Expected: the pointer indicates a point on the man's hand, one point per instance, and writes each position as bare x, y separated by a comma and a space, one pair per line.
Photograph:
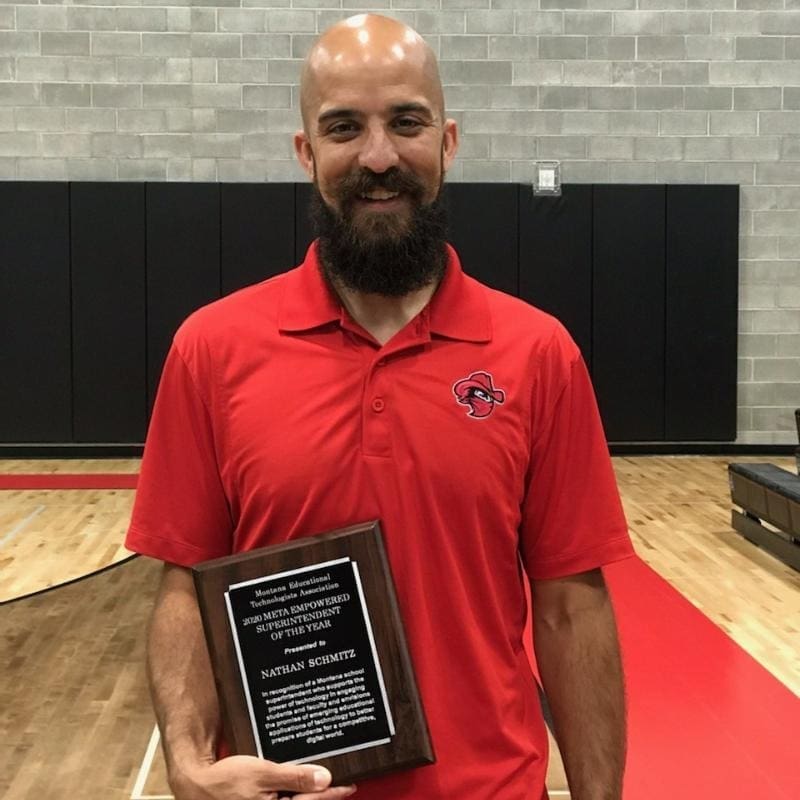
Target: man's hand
185, 701
250, 778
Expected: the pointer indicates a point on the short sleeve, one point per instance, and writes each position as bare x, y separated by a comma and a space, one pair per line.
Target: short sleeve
181, 514
572, 517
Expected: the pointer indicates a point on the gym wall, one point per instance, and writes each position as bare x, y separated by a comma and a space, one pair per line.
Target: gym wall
620, 91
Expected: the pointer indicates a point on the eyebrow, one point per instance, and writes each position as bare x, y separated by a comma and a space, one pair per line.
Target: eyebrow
401, 108
404, 108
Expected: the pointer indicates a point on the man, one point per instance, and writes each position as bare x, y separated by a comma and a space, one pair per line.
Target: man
378, 381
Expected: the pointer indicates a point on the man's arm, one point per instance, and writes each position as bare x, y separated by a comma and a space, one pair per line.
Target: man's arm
575, 639
185, 701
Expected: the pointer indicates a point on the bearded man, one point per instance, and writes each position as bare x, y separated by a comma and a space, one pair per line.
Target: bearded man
378, 381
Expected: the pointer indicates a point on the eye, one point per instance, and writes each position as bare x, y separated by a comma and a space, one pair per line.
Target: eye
407, 124
342, 129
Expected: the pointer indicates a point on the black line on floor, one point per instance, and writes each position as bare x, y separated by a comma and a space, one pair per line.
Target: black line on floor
71, 581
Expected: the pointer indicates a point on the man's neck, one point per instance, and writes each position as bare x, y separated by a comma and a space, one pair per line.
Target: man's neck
383, 316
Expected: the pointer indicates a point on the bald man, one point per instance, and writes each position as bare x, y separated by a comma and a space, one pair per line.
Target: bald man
377, 380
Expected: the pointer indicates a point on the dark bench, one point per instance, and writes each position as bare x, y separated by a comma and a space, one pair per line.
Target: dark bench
797, 450
767, 494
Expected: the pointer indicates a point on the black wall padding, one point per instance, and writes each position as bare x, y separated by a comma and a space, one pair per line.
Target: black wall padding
628, 315
35, 357
482, 224
95, 279
257, 232
555, 258
304, 230
108, 311
701, 308
183, 262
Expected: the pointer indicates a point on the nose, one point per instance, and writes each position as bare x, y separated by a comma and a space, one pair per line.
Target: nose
379, 152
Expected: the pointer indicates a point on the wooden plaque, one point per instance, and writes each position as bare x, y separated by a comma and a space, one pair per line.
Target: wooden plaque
309, 655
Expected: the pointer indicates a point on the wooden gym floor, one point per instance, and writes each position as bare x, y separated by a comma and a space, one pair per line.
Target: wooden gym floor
76, 721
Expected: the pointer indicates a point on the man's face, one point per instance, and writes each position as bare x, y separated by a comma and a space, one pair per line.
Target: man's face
376, 145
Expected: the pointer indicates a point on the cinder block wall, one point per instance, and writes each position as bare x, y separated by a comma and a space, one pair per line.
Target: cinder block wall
618, 90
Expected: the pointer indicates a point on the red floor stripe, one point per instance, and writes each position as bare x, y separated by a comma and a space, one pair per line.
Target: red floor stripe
62, 481
706, 721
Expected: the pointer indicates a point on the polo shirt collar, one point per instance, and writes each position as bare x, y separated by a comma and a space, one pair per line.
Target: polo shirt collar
307, 300
457, 310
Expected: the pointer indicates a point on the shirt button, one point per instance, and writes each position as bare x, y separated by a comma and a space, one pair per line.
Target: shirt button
378, 405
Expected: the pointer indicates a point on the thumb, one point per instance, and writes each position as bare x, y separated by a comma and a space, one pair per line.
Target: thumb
295, 777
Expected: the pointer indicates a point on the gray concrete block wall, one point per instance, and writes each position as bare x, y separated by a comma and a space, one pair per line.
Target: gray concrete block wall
664, 91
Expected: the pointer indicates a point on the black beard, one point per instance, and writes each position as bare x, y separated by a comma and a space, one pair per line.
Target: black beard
381, 254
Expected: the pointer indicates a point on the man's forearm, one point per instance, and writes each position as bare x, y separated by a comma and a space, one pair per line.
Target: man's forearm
579, 662
179, 672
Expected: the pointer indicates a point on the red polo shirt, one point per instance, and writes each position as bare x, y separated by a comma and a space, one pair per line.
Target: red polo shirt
473, 435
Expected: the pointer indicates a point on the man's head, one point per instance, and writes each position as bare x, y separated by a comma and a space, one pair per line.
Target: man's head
376, 145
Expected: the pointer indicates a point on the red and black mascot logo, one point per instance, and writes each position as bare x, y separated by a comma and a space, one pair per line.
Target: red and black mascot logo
478, 392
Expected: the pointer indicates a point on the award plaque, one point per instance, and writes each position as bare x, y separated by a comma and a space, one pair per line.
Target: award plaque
309, 655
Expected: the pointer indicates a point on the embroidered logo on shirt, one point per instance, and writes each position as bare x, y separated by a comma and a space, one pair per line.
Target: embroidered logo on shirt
478, 392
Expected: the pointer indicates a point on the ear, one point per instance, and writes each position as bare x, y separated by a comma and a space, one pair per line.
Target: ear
304, 153
449, 143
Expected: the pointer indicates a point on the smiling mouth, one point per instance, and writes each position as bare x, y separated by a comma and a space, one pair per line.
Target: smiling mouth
379, 196
381, 200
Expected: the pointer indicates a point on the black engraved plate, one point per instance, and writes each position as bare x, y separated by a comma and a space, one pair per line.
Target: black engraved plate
306, 650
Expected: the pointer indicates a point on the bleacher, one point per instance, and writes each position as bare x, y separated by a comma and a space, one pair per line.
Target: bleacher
769, 497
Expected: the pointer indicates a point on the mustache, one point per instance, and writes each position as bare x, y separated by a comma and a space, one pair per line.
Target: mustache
363, 181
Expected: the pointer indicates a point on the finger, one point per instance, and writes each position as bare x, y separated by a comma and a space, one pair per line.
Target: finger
294, 777
334, 793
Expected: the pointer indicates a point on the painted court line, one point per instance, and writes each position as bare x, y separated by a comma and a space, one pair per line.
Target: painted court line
21, 525
705, 719
144, 769
60, 480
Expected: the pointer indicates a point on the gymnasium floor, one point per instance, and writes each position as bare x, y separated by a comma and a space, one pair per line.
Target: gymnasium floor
710, 628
